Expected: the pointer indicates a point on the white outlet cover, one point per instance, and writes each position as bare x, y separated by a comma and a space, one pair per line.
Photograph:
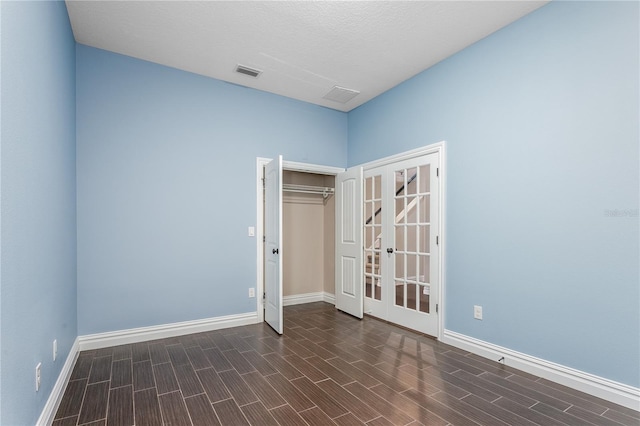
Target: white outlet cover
477, 312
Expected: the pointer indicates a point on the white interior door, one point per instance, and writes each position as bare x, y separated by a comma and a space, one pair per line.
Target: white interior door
414, 286
273, 244
348, 196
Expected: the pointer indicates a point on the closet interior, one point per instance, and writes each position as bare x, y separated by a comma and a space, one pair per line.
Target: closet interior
308, 235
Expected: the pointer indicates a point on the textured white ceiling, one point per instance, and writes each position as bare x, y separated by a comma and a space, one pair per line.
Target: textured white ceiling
304, 48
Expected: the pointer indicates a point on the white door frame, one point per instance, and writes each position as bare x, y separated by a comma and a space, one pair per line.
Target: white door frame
286, 165
439, 147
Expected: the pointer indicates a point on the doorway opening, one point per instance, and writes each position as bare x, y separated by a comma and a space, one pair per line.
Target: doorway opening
390, 239
401, 243
305, 250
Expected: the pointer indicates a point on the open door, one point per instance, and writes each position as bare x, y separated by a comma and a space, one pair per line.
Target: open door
349, 249
273, 244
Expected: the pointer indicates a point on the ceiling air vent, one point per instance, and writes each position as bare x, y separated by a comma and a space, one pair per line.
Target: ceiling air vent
251, 72
341, 94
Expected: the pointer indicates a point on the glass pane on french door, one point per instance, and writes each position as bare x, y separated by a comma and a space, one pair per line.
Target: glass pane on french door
373, 236
412, 201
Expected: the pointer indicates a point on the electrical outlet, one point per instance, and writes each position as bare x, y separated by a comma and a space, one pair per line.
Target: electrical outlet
477, 312
252, 292
38, 376
55, 349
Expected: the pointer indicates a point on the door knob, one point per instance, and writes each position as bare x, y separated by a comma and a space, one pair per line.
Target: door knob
389, 250
275, 251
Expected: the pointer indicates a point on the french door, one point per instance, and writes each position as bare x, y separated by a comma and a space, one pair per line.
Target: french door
401, 243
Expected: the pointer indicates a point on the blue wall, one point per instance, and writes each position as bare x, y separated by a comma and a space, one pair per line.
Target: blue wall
166, 187
38, 204
541, 120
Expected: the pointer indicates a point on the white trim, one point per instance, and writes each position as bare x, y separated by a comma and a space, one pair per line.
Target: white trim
299, 299
260, 163
55, 397
407, 155
294, 166
329, 298
600, 387
442, 203
143, 334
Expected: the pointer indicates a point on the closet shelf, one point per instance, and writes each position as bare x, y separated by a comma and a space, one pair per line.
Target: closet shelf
325, 191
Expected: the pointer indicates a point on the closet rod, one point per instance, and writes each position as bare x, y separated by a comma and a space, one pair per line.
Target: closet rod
325, 191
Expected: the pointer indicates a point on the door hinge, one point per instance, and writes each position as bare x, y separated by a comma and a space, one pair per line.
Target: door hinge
264, 238
436, 308
437, 240
437, 171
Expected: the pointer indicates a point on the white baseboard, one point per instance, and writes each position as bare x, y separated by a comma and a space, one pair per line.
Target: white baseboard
143, 334
299, 299
609, 390
329, 298
55, 397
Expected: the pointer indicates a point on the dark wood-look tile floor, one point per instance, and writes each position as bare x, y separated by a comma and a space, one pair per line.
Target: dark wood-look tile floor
328, 368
